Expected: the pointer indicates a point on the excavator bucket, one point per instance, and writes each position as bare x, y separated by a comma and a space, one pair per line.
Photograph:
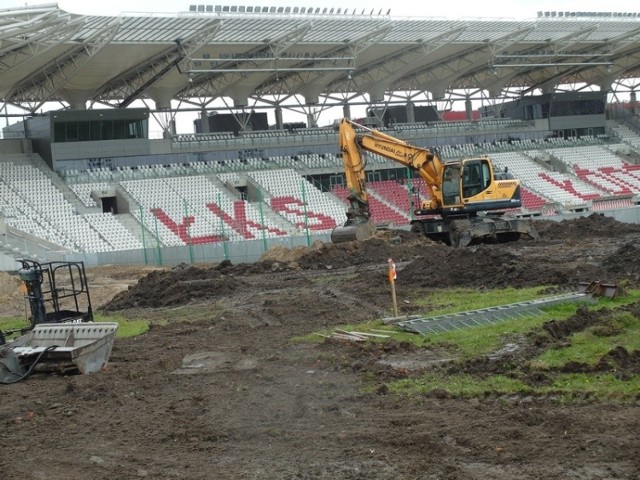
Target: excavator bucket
358, 231
57, 347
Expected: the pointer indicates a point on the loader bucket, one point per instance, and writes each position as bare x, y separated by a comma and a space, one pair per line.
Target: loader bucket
58, 347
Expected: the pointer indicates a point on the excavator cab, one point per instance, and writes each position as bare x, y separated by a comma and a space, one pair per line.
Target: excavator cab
463, 180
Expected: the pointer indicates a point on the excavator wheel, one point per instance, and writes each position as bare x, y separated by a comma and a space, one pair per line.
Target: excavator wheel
417, 227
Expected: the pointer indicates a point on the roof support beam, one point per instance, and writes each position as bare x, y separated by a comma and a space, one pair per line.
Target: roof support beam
392, 67
228, 75
27, 46
45, 84
133, 83
301, 81
441, 76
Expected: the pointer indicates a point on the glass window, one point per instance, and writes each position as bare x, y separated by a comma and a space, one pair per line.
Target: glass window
118, 129
106, 127
72, 131
134, 129
95, 130
84, 131
59, 132
451, 185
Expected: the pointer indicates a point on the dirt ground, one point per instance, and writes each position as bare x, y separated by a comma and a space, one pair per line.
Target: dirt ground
216, 389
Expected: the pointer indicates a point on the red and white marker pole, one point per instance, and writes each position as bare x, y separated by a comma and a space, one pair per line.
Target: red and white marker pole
392, 281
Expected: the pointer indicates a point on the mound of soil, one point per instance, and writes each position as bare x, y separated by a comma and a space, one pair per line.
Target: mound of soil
592, 226
421, 263
178, 286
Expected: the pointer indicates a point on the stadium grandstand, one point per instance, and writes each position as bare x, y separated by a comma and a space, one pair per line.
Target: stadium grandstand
98, 164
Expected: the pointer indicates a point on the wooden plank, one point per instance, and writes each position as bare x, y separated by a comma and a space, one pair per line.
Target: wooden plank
387, 331
351, 338
345, 332
366, 334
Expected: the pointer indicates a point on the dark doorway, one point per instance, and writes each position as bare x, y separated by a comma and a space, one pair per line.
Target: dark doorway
109, 204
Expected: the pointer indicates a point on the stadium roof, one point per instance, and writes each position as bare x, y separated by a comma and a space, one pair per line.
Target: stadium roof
270, 54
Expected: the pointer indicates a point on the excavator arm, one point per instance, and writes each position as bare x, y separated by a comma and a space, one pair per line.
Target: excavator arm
352, 144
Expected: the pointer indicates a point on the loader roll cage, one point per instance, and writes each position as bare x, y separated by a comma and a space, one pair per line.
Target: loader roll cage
56, 292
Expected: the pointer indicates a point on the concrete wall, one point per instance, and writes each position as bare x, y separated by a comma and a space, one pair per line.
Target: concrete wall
625, 215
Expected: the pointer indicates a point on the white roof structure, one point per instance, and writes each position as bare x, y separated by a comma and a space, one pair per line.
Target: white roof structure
250, 54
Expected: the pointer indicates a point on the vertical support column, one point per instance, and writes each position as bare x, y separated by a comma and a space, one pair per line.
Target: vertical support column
279, 122
204, 121
144, 242
262, 224
346, 110
225, 247
159, 249
306, 215
311, 120
468, 108
633, 101
186, 217
411, 112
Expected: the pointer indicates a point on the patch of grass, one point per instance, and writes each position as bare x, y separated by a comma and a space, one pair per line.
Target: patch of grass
604, 386
590, 345
480, 340
459, 385
568, 387
9, 323
441, 302
126, 327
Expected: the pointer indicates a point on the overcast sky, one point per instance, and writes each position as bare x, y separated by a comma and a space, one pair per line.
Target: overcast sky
516, 9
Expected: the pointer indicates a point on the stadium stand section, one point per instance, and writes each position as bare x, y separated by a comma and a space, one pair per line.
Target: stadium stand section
268, 197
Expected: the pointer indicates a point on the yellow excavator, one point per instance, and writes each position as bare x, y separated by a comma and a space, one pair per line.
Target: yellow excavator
467, 200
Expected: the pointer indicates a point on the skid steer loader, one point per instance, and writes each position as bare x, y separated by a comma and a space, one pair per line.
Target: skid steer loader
61, 335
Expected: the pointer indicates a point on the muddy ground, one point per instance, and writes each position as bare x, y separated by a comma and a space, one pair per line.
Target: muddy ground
216, 389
